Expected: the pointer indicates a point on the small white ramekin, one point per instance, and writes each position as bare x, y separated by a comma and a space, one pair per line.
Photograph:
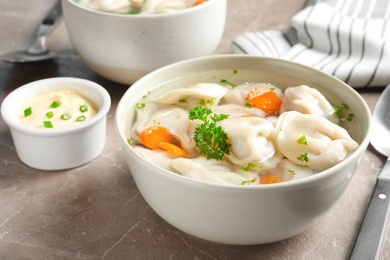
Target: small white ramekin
62, 148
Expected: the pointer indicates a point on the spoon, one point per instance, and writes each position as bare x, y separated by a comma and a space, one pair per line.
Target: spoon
37, 51
369, 242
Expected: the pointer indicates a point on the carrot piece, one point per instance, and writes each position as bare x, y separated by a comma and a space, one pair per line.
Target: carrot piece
173, 149
154, 135
269, 179
264, 99
200, 2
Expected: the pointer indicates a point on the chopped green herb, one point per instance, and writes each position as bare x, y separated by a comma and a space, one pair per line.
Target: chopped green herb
210, 138
247, 182
27, 111
249, 104
339, 109
224, 81
133, 141
83, 108
146, 95
183, 100
66, 116
303, 157
302, 140
140, 105
203, 102
49, 114
349, 117
55, 104
252, 166
47, 124
80, 119
235, 71
292, 172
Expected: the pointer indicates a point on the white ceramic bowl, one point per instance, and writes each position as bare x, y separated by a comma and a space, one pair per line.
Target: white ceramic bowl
123, 48
58, 148
241, 215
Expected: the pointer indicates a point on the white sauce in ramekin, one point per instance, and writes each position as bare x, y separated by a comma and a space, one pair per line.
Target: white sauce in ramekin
58, 109
137, 6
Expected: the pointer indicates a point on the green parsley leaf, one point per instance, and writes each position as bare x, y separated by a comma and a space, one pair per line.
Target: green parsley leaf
339, 109
210, 138
225, 81
303, 157
251, 166
183, 100
132, 141
247, 182
302, 140
348, 118
140, 105
27, 111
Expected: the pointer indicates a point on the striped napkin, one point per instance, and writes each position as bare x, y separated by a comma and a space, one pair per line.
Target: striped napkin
349, 39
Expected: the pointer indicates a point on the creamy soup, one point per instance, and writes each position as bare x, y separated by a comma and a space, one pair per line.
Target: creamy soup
246, 134
56, 109
139, 6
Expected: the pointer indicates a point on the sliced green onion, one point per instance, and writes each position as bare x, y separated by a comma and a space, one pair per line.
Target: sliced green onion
80, 119
66, 116
55, 104
83, 108
27, 111
49, 114
47, 124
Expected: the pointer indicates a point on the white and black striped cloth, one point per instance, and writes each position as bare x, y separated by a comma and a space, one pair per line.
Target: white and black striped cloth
349, 39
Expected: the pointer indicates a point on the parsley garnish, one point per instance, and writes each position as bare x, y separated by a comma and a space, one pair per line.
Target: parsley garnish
140, 105
348, 118
210, 138
248, 181
302, 140
133, 141
339, 109
303, 157
225, 81
206, 102
251, 166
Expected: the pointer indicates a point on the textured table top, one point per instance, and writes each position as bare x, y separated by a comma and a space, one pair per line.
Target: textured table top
96, 211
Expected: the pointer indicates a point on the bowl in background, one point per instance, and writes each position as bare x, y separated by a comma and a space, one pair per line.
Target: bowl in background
241, 215
58, 148
123, 48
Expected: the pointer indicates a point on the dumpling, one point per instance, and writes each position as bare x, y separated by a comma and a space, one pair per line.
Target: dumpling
312, 140
175, 119
248, 137
307, 100
165, 6
235, 111
288, 171
211, 170
191, 96
238, 94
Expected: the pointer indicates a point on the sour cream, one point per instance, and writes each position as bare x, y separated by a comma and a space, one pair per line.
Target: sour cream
137, 6
59, 109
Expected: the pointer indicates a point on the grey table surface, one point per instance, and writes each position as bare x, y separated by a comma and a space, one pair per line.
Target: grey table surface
96, 211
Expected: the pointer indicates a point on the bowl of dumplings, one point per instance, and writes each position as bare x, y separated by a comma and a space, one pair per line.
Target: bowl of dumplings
123, 40
242, 150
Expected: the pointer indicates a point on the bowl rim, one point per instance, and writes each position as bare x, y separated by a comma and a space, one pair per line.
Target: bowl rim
15, 124
288, 184
145, 16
